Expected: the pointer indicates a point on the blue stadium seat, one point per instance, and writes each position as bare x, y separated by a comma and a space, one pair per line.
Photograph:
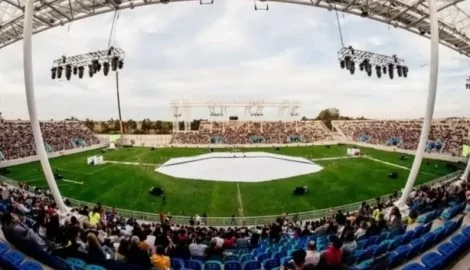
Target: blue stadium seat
373, 240
362, 244
94, 267
12, 259
420, 230
76, 263
448, 250
63, 264
247, 257
395, 259
232, 265
414, 266
30, 265
414, 251
285, 260
407, 237
193, 264
433, 260
262, 257
177, 264
232, 258
252, 265
466, 231
3, 248
212, 265
382, 237
380, 250
270, 264
461, 241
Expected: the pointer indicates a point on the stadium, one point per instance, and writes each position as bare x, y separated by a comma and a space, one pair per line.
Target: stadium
230, 170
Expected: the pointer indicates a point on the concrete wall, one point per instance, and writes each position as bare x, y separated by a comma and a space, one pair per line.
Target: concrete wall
19, 161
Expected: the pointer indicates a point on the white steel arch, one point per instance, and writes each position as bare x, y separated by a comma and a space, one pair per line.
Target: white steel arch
411, 15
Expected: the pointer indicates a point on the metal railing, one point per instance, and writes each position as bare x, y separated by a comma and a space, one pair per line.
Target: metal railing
243, 221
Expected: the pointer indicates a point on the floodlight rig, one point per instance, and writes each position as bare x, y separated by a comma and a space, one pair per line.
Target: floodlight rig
264, 5
108, 60
368, 61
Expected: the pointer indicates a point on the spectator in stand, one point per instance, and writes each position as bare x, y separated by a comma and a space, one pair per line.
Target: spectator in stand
350, 244
334, 254
450, 134
136, 255
213, 250
394, 221
122, 251
312, 255
160, 260
16, 137
198, 249
298, 260
361, 231
248, 132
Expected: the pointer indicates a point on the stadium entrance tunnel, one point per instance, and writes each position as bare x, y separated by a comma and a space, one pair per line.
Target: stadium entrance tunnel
238, 167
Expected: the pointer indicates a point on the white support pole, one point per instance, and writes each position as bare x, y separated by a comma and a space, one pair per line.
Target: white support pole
433, 72
467, 171
31, 100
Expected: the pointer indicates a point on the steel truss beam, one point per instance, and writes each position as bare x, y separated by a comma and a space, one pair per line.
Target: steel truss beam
249, 103
411, 15
374, 58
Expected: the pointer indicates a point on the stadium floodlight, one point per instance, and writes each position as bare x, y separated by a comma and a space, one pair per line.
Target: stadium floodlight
348, 56
94, 61
81, 70
54, 72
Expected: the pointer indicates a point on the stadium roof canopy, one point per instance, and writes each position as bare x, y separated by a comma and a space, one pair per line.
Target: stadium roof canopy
411, 15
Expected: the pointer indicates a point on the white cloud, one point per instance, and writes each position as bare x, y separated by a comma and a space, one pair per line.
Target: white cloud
227, 51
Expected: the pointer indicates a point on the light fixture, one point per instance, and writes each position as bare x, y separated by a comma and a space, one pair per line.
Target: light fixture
109, 59
53, 72
105, 68
59, 72
81, 70
68, 72
367, 61
378, 71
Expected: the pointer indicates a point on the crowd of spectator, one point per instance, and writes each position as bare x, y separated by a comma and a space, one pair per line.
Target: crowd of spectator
249, 132
103, 237
451, 133
16, 137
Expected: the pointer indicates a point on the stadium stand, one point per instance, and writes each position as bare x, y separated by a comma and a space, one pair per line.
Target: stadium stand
446, 136
16, 138
251, 132
99, 239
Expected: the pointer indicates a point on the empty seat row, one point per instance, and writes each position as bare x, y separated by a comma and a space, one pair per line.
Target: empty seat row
446, 253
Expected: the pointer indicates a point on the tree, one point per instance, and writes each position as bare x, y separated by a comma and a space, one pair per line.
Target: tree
90, 124
71, 118
327, 115
131, 125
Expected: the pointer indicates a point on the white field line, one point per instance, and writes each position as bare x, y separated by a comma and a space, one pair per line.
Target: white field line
335, 158
240, 203
131, 163
73, 182
388, 163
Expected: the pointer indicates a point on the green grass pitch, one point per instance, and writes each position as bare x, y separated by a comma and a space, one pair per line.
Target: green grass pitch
342, 181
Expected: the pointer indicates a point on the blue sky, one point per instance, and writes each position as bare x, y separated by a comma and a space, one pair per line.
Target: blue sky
227, 51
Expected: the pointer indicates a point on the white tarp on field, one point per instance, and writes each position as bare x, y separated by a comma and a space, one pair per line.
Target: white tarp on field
238, 167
